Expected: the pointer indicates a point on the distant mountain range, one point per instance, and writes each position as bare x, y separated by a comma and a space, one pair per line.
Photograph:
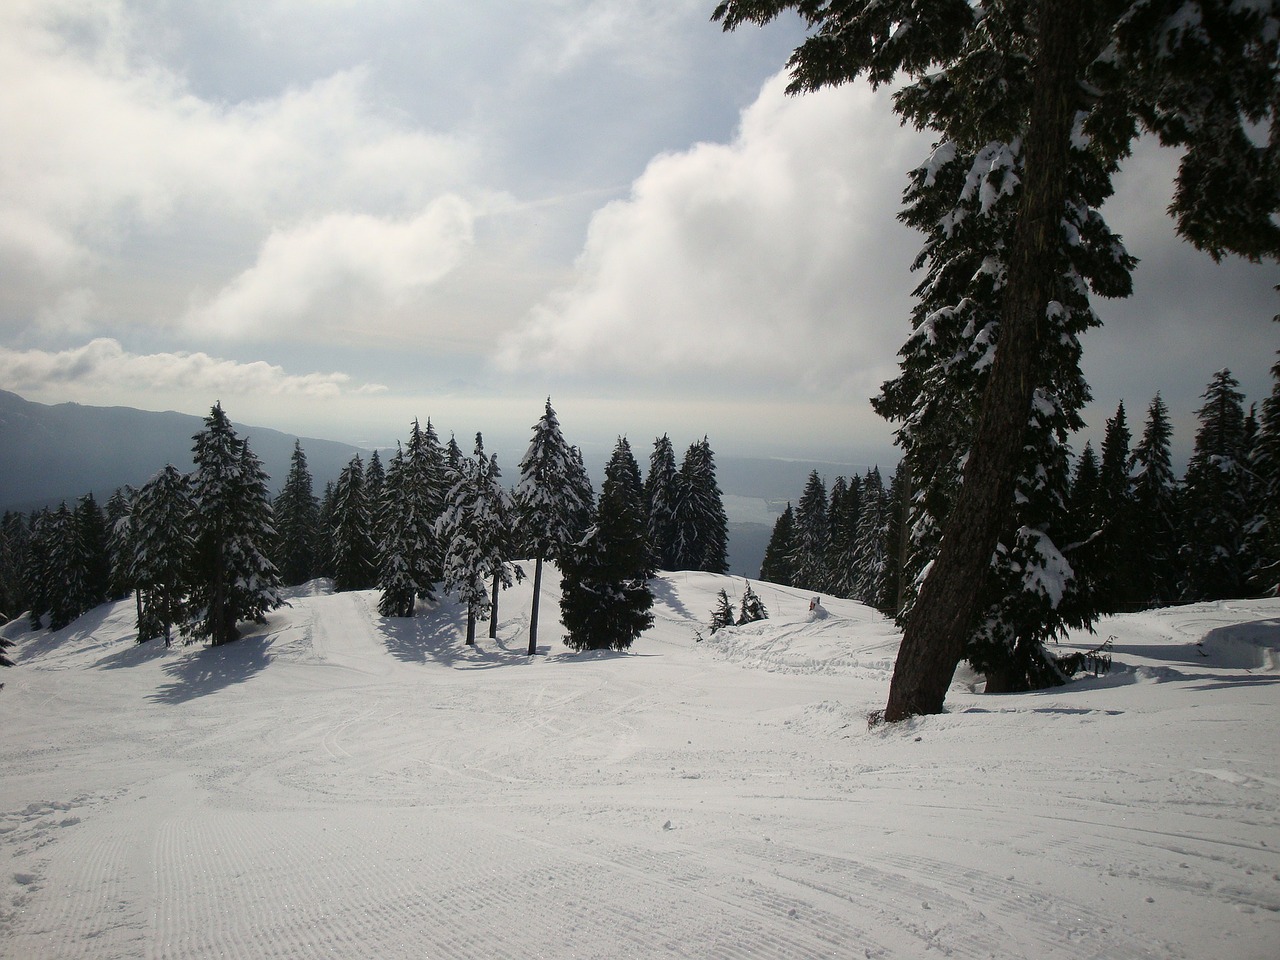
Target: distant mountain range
50, 453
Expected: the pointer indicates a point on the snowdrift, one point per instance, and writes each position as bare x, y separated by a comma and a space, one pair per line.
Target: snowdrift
338, 784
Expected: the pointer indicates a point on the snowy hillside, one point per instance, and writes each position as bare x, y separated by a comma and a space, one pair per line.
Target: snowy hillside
337, 785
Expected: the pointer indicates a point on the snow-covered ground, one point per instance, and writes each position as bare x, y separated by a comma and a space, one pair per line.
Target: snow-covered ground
338, 785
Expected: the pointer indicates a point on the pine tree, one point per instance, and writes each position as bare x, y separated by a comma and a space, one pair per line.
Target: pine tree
35, 571
160, 535
751, 608
897, 541
476, 527
842, 573
412, 554
1215, 502
548, 502
231, 577
1118, 560
1035, 106
810, 537
354, 551
660, 502
14, 540
297, 513
65, 573
605, 597
1153, 490
870, 543
777, 566
1264, 526
722, 614
95, 558
701, 525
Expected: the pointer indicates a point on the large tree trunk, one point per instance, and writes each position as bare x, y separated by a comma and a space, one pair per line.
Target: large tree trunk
493, 610
533, 615
948, 605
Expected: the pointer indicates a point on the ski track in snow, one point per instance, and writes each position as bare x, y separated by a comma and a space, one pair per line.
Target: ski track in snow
339, 785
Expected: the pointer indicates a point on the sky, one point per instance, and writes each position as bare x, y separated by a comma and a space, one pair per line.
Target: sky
334, 216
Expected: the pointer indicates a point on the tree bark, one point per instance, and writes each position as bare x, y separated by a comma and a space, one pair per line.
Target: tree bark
533, 615
947, 608
493, 610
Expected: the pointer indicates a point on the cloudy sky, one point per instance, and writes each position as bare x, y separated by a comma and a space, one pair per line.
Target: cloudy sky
336, 215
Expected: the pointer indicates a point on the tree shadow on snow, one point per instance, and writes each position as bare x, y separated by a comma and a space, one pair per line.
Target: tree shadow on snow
210, 669
440, 638
664, 594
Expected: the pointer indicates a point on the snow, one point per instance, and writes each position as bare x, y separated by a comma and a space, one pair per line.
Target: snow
339, 785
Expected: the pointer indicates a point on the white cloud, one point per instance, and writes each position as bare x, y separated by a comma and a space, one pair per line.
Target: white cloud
104, 148
339, 267
95, 371
766, 257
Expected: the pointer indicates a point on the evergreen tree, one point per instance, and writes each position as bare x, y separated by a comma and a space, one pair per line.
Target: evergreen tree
1035, 106
324, 542
94, 556
120, 515
777, 566
1119, 559
870, 543
231, 577
660, 502
752, 607
1154, 491
842, 572
297, 512
476, 527
605, 596
810, 537
375, 480
14, 539
548, 503
897, 540
36, 568
409, 560
701, 526
722, 614
1264, 526
65, 573
1215, 502
354, 552
161, 538
1084, 527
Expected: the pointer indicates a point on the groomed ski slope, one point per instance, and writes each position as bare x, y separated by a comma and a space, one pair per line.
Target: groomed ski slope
339, 785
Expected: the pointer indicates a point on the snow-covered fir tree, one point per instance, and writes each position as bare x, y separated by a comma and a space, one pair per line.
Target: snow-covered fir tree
1034, 105
777, 566
475, 527
605, 596
160, 536
411, 554
722, 613
355, 553
811, 537
1215, 506
840, 578
751, 608
870, 564
660, 502
701, 525
297, 522
548, 502
231, 577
